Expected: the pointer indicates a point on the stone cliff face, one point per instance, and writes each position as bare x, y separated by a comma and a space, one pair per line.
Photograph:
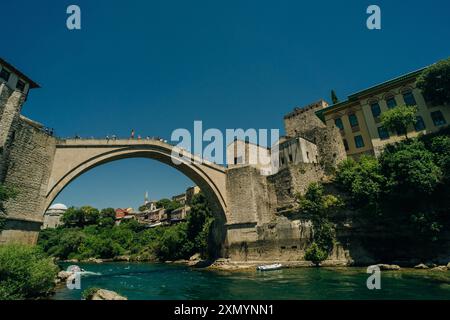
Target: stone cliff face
259, 229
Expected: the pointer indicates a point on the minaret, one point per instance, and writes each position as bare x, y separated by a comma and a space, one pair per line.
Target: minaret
146, 197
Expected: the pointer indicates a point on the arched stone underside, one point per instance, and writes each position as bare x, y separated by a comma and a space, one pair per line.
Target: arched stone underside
75, 157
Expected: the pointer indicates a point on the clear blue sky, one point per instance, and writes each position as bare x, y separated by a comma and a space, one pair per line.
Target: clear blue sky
159, 65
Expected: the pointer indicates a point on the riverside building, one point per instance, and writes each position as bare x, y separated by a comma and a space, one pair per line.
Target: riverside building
358, 117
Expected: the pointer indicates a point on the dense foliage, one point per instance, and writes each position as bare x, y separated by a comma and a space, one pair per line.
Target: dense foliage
168, 204
88, 233
80, 217
319, 207
25, 272
403, 193
399, 119
435, 83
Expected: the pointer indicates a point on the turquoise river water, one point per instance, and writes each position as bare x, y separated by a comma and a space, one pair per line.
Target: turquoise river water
147, 281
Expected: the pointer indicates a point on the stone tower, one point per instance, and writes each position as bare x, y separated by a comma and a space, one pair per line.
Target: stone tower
304, 123
26, 155
14, 88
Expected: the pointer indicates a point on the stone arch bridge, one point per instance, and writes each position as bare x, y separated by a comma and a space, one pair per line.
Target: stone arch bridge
41, 166
74, 157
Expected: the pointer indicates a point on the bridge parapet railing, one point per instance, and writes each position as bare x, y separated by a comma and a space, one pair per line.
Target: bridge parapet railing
119, 142
114, 137
84, 140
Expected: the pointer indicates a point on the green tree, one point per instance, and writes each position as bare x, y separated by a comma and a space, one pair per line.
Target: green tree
409, 169
163, 203
73, 217
362, 179
407, 186
199, 224
69, 243
315, 254
107, 218
80, 217
168, 204
316, 204
95, 246
398, 119
173, 205
174, 243
108, 213
319, 207
435, 83
91, 215
25, 272
440, 146
334, 97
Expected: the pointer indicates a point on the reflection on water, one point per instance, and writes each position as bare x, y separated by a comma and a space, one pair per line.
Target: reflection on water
145, 281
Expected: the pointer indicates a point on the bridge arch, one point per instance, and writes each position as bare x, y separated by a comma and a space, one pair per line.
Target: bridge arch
75, 157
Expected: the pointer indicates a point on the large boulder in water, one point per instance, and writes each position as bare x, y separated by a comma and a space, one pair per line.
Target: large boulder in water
195, 257
388, 267
64, 275
421, 266
102, 294
439, 268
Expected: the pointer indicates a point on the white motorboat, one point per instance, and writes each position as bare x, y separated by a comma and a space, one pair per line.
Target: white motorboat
269, 267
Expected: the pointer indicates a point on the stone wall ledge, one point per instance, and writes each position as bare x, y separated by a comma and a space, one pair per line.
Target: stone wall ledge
240, 225
31, 122
24, 219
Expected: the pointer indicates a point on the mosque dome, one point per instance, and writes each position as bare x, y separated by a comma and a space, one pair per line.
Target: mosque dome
58, 206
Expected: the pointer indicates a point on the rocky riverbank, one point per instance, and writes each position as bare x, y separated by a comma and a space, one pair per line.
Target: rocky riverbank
102, 294
230, 265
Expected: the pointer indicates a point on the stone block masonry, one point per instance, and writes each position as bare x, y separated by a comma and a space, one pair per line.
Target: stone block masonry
10, 104
330, 147
302, 120
27, 170
293, 180
305, 123
249, 200
255, 231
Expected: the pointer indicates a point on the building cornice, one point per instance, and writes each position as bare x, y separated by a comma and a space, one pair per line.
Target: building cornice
376, 89
33, 85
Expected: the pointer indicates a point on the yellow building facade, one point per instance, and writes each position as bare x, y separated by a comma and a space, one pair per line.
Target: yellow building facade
358, 118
